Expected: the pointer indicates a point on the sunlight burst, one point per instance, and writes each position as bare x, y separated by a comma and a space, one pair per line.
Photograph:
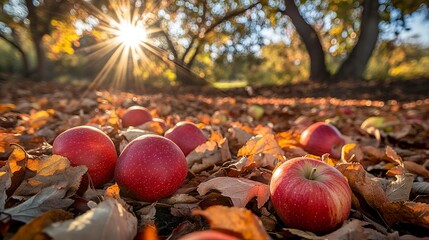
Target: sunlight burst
132, 35
124, 45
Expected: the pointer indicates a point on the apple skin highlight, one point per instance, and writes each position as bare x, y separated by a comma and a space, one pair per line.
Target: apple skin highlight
319, 204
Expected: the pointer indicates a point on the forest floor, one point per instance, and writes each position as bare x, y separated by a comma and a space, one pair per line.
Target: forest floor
386, 164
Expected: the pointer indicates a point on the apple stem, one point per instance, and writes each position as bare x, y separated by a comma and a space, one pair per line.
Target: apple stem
311, 176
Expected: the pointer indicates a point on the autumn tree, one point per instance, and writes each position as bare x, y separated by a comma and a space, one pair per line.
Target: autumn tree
190, 27
355, 24
33, 20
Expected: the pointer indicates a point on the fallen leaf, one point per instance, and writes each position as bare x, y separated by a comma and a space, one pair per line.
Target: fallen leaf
421, 188
393, 156
53, 170
263, 150
416, 168
233, 219
240, 135
400, 189
356, 230
40, 118
34, 229
408, 212
46, 166
213, 151
7, 107
363, 187
108, 220
47, 199
5, 182
15, 167
351, 152
240, 190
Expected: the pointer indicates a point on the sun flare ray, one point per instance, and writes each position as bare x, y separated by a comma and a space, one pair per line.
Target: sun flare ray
124, 46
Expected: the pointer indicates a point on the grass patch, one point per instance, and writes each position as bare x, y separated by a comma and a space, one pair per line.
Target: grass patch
228, 85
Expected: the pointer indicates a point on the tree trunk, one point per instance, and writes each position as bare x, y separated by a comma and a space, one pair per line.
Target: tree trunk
355, 64
24, 57
185, 76
318, 70
40, 73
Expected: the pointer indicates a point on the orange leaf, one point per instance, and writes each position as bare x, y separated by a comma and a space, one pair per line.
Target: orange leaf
237, 220
34, 229
351, 153
416, 168
410, 212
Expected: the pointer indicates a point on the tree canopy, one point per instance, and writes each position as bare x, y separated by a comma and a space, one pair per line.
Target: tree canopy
187, 40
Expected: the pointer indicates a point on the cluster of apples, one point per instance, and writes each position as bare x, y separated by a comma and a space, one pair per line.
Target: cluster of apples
150, 167
307, 194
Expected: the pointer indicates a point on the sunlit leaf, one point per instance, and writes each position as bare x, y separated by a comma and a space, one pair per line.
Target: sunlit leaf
47, 199
34, 229
237, 220
108, 220
240, 190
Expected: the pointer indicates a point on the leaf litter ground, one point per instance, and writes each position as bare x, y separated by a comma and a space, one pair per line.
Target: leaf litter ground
227, 185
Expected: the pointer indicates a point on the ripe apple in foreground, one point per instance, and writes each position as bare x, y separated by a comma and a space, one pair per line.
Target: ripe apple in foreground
310, 195
208, 234
186, 135
320, 138
85, 145
151, 167
135, 116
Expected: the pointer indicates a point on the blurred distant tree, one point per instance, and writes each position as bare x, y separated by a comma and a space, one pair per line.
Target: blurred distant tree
348, 29
190, 27
34, 20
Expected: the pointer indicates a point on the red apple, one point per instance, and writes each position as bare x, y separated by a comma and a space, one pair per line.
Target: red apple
135, 116
85, 145
186, 135
320, 138
151, 167
310, 195
208, 234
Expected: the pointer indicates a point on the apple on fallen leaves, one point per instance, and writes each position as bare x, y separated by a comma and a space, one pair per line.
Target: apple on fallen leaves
186, 135
89, 146
151, 167
208, 234
135, 116
310, 195
320, 138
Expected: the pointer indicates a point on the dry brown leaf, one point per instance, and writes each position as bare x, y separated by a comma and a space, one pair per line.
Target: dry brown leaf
34, 229
421, 188
47, 199
237, 220
5, 182
393, 156
416, 168
351, 152
240, 190
213, 151
68, 178
108, 220
363, 186
409, 212
372, 153
15, 166
46, 166
400, 189
7, 107
240, 135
